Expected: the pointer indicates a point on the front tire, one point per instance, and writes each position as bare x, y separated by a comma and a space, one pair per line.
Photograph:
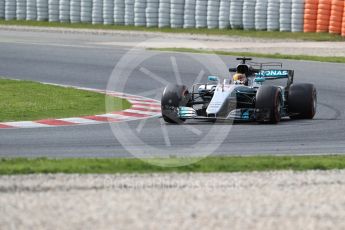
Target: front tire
173, 97
268, 104
302, 101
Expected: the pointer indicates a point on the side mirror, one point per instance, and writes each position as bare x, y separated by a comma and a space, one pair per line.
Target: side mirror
259, 79
213, 78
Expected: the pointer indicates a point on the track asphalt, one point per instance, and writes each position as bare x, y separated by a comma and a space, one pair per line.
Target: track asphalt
88, 60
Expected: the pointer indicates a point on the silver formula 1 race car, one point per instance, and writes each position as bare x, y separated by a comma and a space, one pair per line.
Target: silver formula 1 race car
266, 95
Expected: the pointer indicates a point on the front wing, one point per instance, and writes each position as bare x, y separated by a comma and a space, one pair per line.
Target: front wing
246, 114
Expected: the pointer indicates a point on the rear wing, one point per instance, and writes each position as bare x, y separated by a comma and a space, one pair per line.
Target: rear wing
273, 74
267, 70
253, 68
266, 65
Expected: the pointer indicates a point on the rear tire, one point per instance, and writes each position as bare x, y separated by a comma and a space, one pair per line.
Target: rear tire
302, 101
173, 97
268, 104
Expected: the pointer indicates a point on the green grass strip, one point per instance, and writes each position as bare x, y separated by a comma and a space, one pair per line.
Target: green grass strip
259, 55
27, 101
204, 31
14, 166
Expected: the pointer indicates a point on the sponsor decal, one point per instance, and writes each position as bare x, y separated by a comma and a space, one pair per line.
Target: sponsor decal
273, 73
